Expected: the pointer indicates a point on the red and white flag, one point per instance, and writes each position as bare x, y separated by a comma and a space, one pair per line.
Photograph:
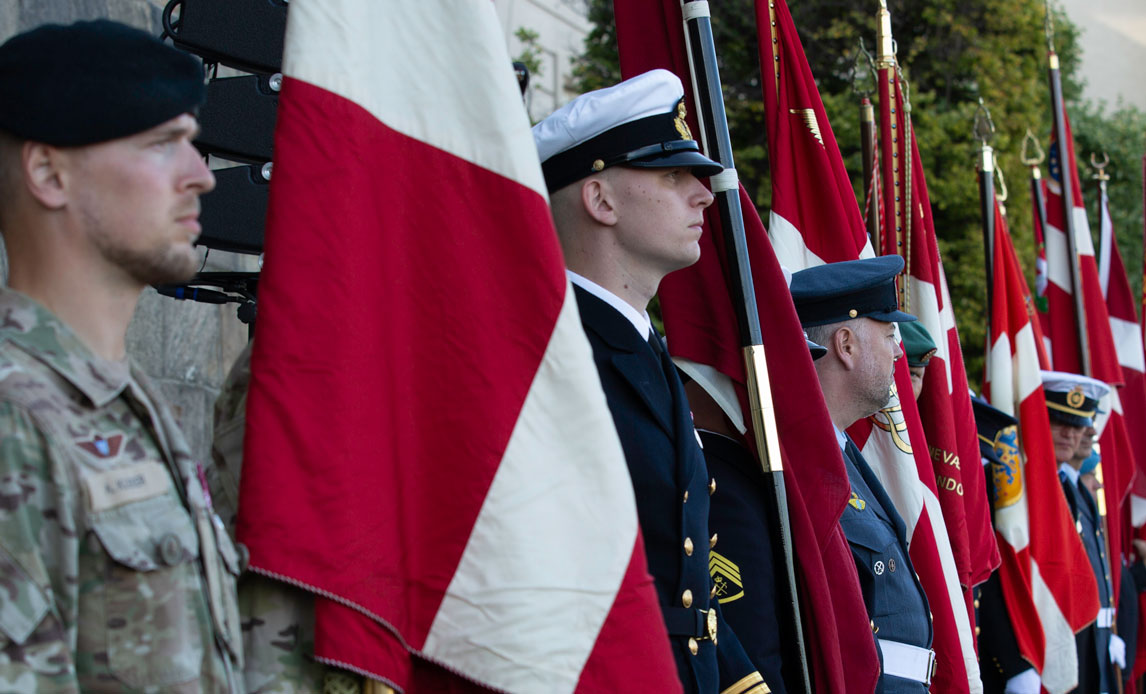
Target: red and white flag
908, 230
1045, 575
429, 449
1061, 326
1127, 335
815, 219
701, 327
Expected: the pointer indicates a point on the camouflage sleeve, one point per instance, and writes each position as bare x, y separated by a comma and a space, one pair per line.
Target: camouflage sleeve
38, 561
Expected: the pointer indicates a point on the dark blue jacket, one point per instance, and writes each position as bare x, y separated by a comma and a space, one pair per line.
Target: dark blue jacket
672, 489
896, 603
747, 565
1095, 672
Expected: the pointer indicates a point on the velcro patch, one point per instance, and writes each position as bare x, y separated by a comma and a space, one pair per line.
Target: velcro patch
123, 485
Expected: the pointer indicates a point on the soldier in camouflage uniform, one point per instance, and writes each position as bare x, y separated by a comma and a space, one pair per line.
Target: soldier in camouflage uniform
116, 575
277, 618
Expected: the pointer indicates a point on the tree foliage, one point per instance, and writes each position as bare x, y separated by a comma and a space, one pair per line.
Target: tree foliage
953, 52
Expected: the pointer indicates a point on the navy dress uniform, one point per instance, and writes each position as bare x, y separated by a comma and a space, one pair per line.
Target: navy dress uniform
1002, 666
1073, 400
746, 564
640, 123
895, 600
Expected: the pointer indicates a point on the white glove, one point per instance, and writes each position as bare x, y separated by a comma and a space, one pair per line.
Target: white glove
1026, 682
1117, 651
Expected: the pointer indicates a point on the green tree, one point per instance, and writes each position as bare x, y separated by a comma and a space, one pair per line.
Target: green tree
953, 52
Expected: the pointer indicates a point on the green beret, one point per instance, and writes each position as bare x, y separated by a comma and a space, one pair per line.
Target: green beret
917, 343
91, 82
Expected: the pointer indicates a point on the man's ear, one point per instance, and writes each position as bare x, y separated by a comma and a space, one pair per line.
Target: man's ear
42, 167
846, 344
599, 200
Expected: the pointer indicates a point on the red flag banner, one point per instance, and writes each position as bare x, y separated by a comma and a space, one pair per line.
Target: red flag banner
1129, 346
701, 328
810, 229
1118, 465
1045, 574
429, 449
944, 403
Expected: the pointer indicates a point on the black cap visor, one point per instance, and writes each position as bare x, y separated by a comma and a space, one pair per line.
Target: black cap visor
894, 316
700, 165
816, 349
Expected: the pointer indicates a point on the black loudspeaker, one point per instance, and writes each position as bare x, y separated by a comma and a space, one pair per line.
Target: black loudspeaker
234, 214
243, 34
237, 121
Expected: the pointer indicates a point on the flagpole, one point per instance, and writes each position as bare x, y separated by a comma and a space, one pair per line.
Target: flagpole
726, 188
867, 142
1101, 177
1065, 170
896, 176
983, 130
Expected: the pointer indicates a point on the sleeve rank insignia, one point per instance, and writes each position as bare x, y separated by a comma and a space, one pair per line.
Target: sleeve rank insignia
725, 577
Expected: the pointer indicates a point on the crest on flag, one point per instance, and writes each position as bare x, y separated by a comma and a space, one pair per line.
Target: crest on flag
1008, 477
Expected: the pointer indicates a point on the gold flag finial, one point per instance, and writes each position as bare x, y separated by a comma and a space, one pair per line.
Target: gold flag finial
884, 43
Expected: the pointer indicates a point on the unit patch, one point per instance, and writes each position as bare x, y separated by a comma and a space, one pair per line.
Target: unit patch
726, 578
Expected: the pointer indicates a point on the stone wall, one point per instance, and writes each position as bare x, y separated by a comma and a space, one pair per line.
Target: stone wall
186, 347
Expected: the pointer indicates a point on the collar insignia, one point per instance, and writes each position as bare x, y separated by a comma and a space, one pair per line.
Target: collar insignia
680, 122
725, 578
857, 503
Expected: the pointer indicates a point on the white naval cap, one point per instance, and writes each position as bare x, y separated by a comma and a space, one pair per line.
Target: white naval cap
639, 122
1072, 398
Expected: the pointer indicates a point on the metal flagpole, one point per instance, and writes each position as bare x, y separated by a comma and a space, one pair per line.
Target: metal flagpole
984, 131
726, 188
1065, 171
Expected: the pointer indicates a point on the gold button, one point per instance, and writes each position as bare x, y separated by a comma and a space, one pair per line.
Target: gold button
693, 646
712, 486
688, 546
598, 165
976, 604
853, 313
686, 598
977, 631
686, 497
712, 541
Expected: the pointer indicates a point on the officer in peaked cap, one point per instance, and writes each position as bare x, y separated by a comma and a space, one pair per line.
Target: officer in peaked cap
624, 173
1072, 404
117, 575
851, 308
918, 348
1002, 666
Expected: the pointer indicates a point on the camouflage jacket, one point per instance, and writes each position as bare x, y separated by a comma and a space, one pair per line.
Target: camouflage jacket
277, 618
116, 575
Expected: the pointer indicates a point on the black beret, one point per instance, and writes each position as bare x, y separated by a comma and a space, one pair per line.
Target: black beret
91, 82
994, 427
837, 292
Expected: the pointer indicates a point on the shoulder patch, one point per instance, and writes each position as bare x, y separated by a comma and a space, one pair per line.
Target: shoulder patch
725, 577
